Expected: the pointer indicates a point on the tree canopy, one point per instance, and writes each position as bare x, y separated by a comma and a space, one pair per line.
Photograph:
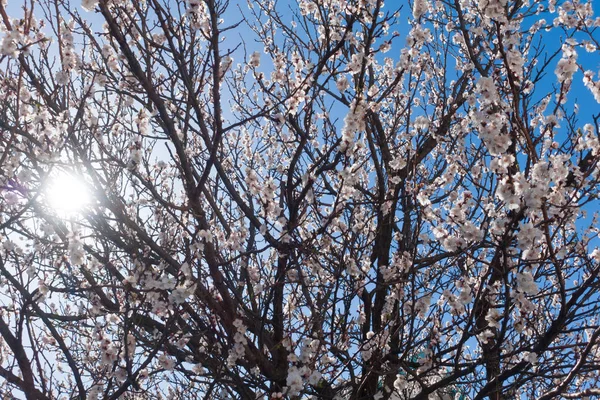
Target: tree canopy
327, 199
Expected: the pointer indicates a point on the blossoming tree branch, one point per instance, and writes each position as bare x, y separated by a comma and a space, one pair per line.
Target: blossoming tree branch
327, 199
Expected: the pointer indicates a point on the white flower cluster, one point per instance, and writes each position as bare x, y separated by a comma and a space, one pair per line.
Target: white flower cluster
89, 5
493, 9
143, 122
238, 350
135, 153
108, 350
197, 16
419, 308
353, 123
375, 342
342, 83
567, 65
297, 377
166, 362
589, 140
594, 87
355, 64
526, 284
493, 318
94, 392
530, 357
574, 14
308, 7
225, 65
485, 336
514, 56
407, 388
294, 381
279, 68
420, 7
69, 59
252, 181
131, 342
10, 42
76, 253
490, 122
486, 88
254, 60
528, 238
418, 36
308, 349
458, 303
180, 294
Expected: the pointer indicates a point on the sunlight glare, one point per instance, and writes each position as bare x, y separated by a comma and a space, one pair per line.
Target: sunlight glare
67, 193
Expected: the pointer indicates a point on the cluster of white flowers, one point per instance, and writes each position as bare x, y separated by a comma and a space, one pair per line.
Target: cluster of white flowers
420, 7
514, 56
567, 65
499, 165
375, 343
589, 140
180, 294
493, 318
355, 64
198, 16
10, 44
308, 7
254, 60
293, 102
525, 283
308, 350
402, 262
252, 181
528, 238
593, 86
131, 343
278, 75
294, 381
135, 153
458, 303
76, 253
143, 122
489, 120
353, 123
297, 377
342, 83
422, 122
524, 305
166, 362
486, 88
224, 66
419, 308
239, 338
493, 9
271, 209
418, 36
572, 14
69, 58
108, 350
463, 203
485, 335
94, 392
530, 357
110, 58
89, 5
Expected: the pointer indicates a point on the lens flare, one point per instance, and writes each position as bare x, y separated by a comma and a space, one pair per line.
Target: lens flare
67, 193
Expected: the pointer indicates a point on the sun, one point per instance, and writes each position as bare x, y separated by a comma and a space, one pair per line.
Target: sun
67, 193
